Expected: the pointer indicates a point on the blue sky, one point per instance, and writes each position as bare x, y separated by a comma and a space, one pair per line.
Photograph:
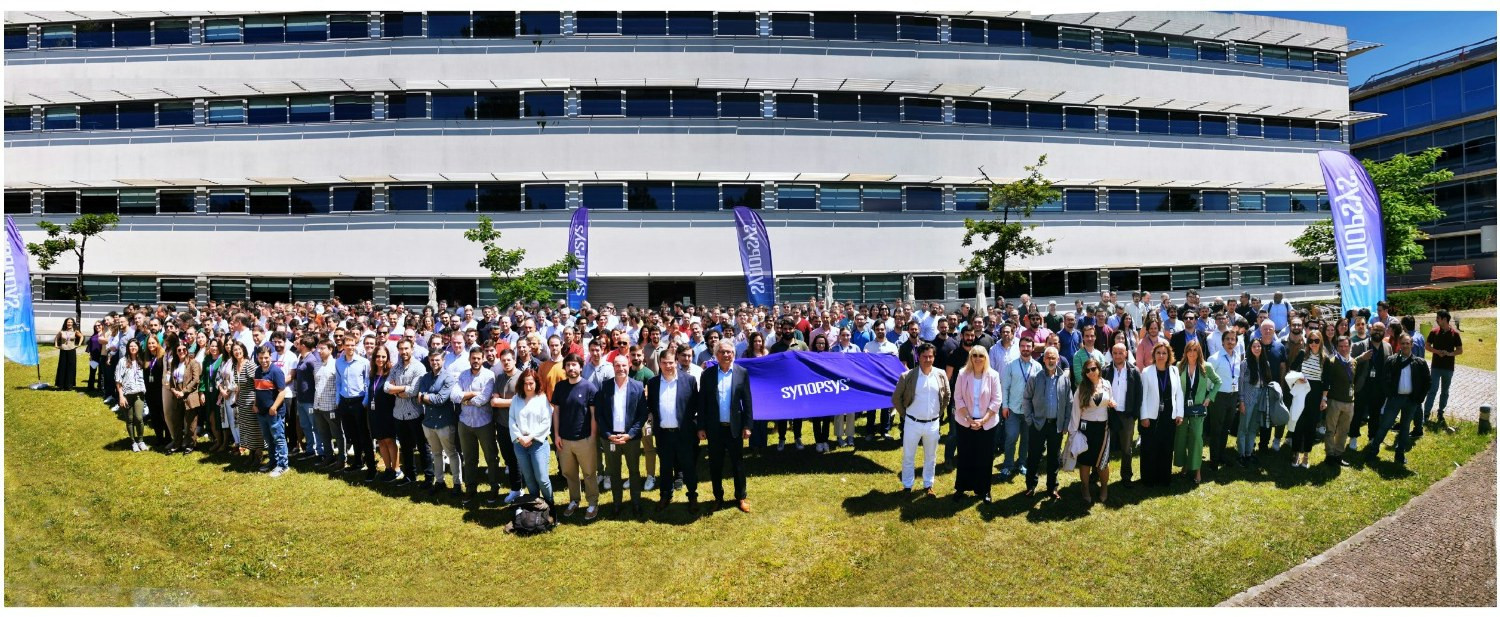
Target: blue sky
1406, 35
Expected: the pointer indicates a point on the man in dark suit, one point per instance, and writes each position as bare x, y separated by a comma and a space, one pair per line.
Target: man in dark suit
724, 420
1369, 399
673, 419
1189, 332
1124, 410
620, 412
1405, 383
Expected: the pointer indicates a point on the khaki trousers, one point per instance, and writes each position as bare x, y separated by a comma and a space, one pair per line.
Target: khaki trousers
1337, 417
577, 457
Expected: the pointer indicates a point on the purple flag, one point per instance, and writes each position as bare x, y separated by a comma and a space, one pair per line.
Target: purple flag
755, 256
812, 384
1357, 230
20, 321
578, 245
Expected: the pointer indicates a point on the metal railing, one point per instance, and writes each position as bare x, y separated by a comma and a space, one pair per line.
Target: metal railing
1428, 64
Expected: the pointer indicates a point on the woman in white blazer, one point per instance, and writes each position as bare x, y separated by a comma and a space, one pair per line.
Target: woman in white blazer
1162, 405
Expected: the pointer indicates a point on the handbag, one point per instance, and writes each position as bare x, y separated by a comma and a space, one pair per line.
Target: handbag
1278, 413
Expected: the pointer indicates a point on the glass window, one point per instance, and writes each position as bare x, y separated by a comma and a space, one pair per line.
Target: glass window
59, 287
1214, 201
454, 198
1186, 278
406, 198
1304, 202
924, 198
494, 24
17, 119
1301, 59
499, 197
881, 199
16, 37
175, 202
98, 117
1123, 120
833, 25
226, 112
1182, 49
971, 112
884, 27
133, 33
1252, 276
405, 105
695, 196
1119, 42
268, 110
1479, 87
349, 26
140, 201
137, 115
92, 34
648, 103
1152, 45
840, 198
55, 36
971, 199
643, 23
1054, 205
307, 27
690, 23
1277, 128
499, 105
270, 201
1047, 283
1216, 126
796, 197
1123, 200
1080, 118
107, 289
543, 104
1124, 280
310, 108
1156, 279
349, 107
735, 195
596, 22
1083, 281
649, 196
310, 200
791, 24
1075, 38
604, 196
353, 199
739, 105
546, 196
966, 31
270, 290
1183, 123
1213, 276
883, 288
398, 24
1154, 121
303, 290
540, 22
1278, 202
694, 103
1213, 51
915, 109
1279, 275
1007, 32
1324, 61
60, 117
1252, 201
1181, 200
1250, 127
455, 105
265, 29
790, 105
838, 106
1155, 201
1080, 200
98, 202
223, 202
1042, 116
737, 23
1247, 53
449, 24
1274, 57
880, 108
600, 103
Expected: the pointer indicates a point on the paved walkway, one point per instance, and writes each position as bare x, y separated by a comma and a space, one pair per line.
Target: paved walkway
1437, 550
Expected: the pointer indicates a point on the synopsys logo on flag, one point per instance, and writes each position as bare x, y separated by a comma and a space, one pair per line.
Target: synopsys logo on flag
754, 259
827, 386
1349, 201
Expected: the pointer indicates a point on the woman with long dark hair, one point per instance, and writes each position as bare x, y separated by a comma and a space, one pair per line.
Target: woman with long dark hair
67, 341
130, 384
1255, 400
184, 401
213, 412
244, 404
820, 424
1309, 360
382, 406
530, 430
95, 349
156, 371
1162, 409
1092, 418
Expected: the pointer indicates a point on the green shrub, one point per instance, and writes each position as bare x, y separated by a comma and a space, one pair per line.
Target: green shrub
1452, 298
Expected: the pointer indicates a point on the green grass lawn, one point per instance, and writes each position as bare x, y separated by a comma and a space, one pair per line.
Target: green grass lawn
1479, 341
88, 522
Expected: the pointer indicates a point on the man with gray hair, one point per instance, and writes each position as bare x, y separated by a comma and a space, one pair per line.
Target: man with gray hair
1048, 405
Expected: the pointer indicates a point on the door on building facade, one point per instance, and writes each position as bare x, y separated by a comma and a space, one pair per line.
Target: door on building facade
670, 292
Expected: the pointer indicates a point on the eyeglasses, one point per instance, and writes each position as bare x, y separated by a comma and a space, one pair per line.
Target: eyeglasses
1091, 369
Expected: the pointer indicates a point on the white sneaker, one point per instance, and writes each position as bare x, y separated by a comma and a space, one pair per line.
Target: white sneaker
650, 483
512, 497
607, 486
1276, 445
626, 485
276, 473
135, 446
677, 484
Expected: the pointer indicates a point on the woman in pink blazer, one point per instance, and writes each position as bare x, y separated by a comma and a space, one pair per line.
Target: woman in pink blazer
976, 409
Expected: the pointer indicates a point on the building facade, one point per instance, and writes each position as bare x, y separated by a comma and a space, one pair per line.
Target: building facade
297, 156
1447, 101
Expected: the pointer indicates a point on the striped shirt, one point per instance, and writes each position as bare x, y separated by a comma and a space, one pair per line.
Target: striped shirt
1312, 367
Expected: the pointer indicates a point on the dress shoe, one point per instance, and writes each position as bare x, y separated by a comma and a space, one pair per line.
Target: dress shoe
928, 492
744, 506
1054, 495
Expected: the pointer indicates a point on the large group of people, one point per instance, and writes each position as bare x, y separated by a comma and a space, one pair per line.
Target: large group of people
609, 398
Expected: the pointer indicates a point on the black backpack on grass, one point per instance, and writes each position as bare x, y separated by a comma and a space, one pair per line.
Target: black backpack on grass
533, 516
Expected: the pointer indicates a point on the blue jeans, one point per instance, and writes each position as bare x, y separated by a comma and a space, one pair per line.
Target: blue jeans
273, 431
1013, 434
1399, 406
316, 443
1250, 422
535, 462
1441, 379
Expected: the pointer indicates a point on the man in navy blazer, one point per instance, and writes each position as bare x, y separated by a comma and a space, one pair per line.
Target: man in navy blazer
674, 422
620, 411
724, 420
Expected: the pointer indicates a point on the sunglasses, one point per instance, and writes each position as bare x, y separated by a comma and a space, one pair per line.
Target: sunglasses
1091, 369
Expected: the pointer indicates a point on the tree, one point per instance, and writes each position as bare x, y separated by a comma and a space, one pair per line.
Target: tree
1008, 240
72, 238
1405, 203
510, 281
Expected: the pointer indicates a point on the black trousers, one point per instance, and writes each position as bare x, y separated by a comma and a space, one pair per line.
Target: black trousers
1156, 452
783, 425
724, 443
1045, 438
1305, 432
413, 447
352, 414
820, 428
677, 450
976, 460
1368, 407
870, 423
1223, 419
1122, 440
508, 450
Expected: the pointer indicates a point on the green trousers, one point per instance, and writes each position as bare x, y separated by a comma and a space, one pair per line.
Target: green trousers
1189, 443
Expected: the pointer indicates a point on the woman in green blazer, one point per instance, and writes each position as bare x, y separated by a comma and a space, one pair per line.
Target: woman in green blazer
1199, 385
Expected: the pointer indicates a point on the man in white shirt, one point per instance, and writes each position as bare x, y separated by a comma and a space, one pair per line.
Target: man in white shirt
921, 396
1222, 416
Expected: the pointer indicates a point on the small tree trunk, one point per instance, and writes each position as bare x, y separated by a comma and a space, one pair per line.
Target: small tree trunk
78, 291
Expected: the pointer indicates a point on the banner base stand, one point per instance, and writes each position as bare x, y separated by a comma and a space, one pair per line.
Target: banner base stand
39, 386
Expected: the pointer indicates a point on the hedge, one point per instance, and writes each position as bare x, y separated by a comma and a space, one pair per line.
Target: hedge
1418, 301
